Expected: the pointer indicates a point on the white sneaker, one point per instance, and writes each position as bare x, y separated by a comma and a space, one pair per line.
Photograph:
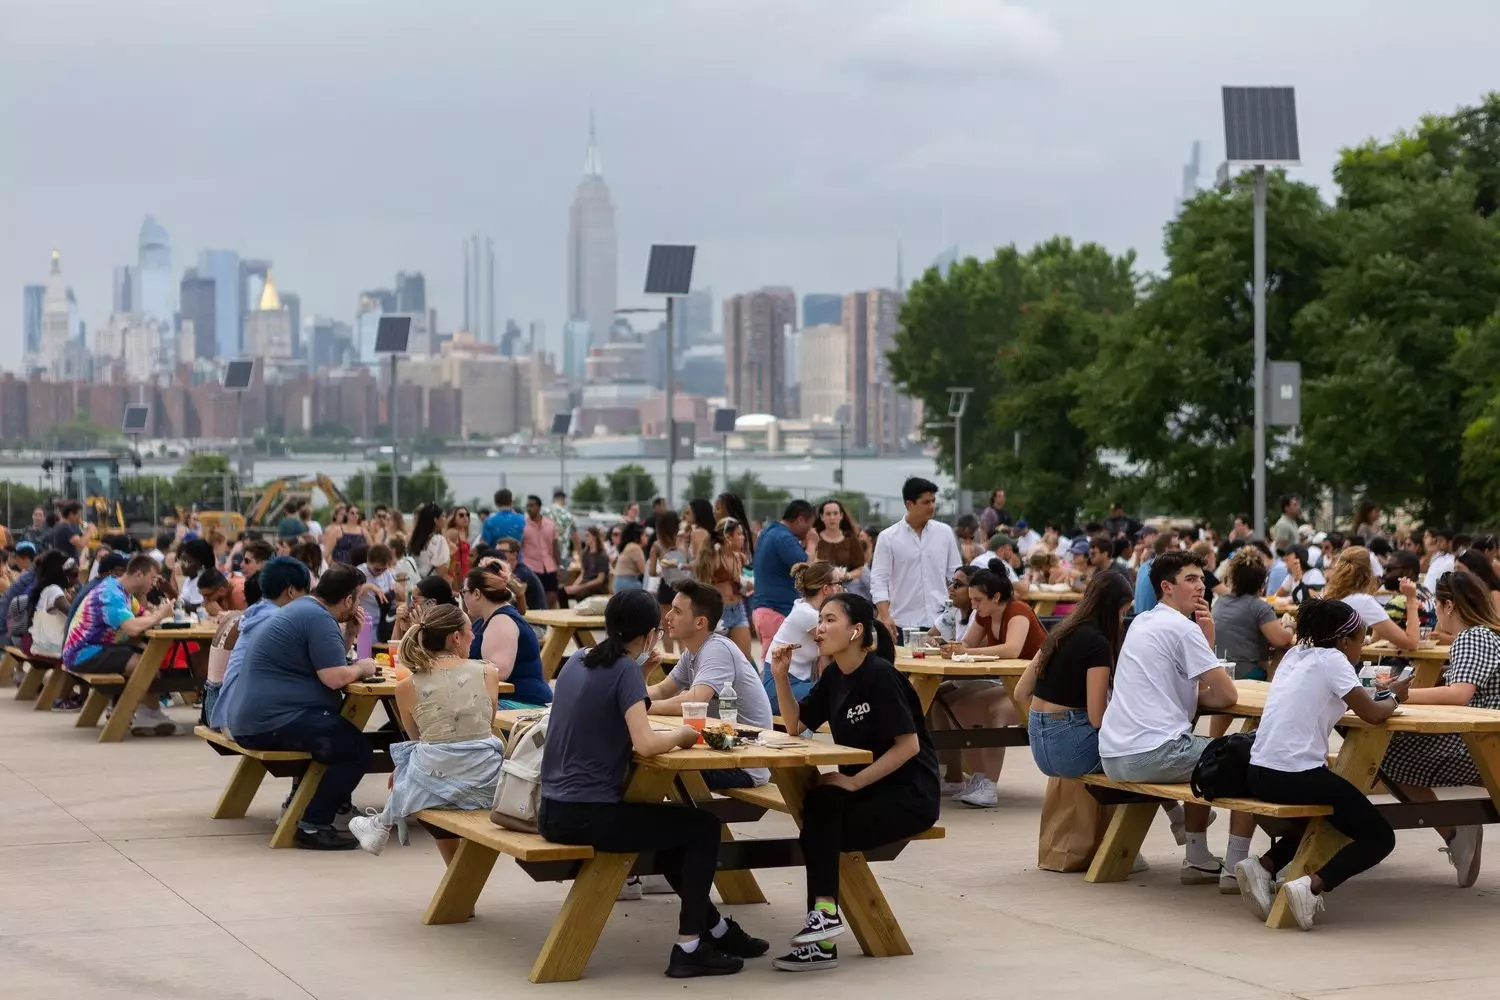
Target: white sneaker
629, 892
1202, 874
370, 832
1463, 853
1140, 864
1229, 885
151, 722
984, 794
952, 788
1304, 903
656, 885
1256, 887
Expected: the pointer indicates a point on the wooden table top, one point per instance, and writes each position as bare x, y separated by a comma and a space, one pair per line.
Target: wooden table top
565, 618
1060, 596
196, 631
1410, 718
1428, 651
933, 665
384, 686
797, 753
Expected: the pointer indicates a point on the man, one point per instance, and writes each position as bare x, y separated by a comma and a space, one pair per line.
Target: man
291, 525
37, 533
1145, 590
658, 508
995, 516
314, 529
1239, 534
536, 594
290, 679
539, 548
1120, 524
21, 565
1439, 542
914, 560
103, 637
1026, 538
1166, 671
1003, 548
1102, 559
710, 663
779, 548
1284, 533
279, 582
288, 535
505, 522
246, 583
69, 536
567, 528
110, 564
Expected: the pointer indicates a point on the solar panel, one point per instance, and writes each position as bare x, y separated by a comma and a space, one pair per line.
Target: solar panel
670, 270
392, 334
136, 416
724, 421
237, 374
561, 423
1260, 125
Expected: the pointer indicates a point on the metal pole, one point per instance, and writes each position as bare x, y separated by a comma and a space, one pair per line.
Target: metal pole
395, 464
724, 453
1260, 350
958, 465
671, 413
843, 485
239, 434
562, 462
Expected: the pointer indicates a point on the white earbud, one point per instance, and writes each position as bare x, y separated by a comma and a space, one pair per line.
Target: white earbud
853, 634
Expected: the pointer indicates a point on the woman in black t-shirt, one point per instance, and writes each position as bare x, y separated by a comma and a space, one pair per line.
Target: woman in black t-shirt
1068, 680
868, 705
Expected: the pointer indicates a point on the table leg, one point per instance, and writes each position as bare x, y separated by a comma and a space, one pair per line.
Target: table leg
737, 887
240, 792
585, 638
357, 709
134, 691
554, 647
1426, 673
52, 689
1122, 841
576, 928
926, 686
31, 683
1485, 749
459, 890
7, 669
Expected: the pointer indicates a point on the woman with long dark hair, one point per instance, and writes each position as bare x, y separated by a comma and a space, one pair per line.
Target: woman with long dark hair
598, 718
836, 541
47, 604
729, 505
428, 546
593, 574
868, 705
630, 563
459, 546
1479, 567
720, 564
697, 523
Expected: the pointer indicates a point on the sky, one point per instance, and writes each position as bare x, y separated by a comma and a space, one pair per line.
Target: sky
791, 140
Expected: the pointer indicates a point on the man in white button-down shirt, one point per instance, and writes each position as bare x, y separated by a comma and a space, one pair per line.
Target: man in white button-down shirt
914, 560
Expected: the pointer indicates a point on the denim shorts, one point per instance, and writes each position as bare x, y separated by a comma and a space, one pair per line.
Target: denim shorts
1064, 744
1171, 763
734, 616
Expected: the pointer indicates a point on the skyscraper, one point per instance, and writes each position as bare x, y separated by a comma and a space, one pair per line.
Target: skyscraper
755, 326
819, 309
268, 330
32, 299
292, 302
373, 304
693, 318
593, 283
411, 292
57, 316
199, 317
479, 288
122, 291
881, 416
252, 286
157, 289
222, 267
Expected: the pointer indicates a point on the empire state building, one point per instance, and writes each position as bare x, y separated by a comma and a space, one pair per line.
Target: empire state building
592, 271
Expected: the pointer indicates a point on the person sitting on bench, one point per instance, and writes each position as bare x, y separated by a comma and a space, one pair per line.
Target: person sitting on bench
867, 705
598, 717
1314, 685
280, 582
1167, 669
103, 636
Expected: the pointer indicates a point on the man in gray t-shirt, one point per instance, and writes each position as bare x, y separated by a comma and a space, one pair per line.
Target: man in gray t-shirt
708, 664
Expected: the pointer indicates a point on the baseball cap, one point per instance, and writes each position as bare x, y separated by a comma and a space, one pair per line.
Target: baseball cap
291, 527
998, 540
1079, 547
1021, 525
25, 549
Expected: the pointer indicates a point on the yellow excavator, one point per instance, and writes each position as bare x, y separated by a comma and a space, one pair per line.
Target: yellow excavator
266, 503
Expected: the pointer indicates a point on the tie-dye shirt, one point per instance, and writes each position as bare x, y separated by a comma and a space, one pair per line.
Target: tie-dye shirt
97, 623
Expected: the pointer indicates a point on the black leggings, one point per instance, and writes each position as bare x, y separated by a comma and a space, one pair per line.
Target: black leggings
685, 841
836, 820
1370, 836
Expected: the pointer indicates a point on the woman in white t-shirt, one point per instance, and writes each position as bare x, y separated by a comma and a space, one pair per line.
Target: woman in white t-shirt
816, 583
1314, 685
1351, 581
48, 601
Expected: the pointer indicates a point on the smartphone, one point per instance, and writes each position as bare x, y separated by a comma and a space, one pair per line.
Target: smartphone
1385, 696
1406, 673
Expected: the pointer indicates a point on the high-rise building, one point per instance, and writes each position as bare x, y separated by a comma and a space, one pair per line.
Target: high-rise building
693, 319
268, 329
755, 326
944, 261
576, 339
252, 287
200, 314
330, 343
122, 290
292, 303
32, 299
156, 288
373, 304
411, 292
479, 288
593, 283
222, 267
824, 353
881, 415
58, 309
819, 309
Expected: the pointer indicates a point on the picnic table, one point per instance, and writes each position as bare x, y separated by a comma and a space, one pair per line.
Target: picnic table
927, 675
135, 687
597, 877
1427, 660
1044, 601
562, 627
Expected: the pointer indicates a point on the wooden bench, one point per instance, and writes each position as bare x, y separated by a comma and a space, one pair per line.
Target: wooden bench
252, 769
36, 670
1132, 819
769, 798
100, 688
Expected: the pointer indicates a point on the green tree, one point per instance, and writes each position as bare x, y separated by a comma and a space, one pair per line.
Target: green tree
20, 500
856, 503
203, 480
761, 502
700, 484
631, 483
426, 485
80, 434
587, 492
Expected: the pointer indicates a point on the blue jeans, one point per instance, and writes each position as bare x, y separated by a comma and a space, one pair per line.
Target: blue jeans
727, 777
1064, 744
210, 696
799, 687
331, 739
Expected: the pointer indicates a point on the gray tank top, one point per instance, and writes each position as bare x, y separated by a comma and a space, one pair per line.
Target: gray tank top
452, 704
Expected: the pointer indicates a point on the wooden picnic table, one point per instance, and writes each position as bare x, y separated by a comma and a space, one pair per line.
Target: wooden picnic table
1427, 660
159, 644
927, 676
598, 880
562, 627
1044, 601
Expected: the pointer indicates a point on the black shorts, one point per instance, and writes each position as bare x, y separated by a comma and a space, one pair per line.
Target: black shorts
549, 582
109, 660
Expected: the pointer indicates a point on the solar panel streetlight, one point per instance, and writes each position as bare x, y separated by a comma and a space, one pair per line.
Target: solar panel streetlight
390, 338
1260, 129
724, 426
137, 416
561, 424
237, 375
669, 272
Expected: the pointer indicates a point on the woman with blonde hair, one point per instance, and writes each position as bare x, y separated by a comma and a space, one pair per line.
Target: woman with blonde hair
815, 582
720, 563
447, 706
1352, 581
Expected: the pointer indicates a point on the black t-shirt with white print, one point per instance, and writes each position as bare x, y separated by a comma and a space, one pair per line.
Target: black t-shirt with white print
869, 709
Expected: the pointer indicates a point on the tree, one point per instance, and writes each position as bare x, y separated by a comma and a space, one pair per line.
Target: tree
203, 480
631, 484
427, 485
700, 484
761, 502
20, 500
80, 434
588, 492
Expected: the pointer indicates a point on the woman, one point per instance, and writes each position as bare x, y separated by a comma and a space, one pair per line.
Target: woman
1068, 680
1406, 566
598, 719
47, 603
1315, 684
868, 705
341, 536
860, 585
427, 592
1417, 763
447, 706
697, 524
1479, 567
970, 545
1004, 627
612, 542
457, 535
593, 576
729, 505
1351, 580
720, 564
1246, 628
630, 564
836, 541
954, 621
503, 639
668, 560
1367, 521
816, 582
428, 546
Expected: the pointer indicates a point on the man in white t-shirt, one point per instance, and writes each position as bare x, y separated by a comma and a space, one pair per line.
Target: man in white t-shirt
1438, 541
1166, 670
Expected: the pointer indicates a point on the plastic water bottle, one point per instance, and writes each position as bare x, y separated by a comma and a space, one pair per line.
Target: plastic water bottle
729, 705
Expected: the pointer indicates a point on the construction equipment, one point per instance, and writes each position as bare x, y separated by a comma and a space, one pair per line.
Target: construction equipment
270, 500
93, 478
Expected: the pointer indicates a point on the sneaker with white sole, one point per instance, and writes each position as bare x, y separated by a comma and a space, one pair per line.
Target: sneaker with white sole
952, 788
370, 832
1256, 886
819, 926
1229, 884
1202, 874
983, 795
629, 892
1140, 864
1463, 853
656, 885
807, 958
152, 722
1302, 901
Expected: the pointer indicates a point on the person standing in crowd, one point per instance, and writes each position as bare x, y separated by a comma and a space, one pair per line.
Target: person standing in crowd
1440, 559
1239, 534
837, 542
721, 565
539, 547
460, 545
502, 638
914, 560
340, 538
668, 560
1284, 532
593, 571
1120, 524
995, 516
428, 546
505, 522
630, 563
37, 533
1367, 521
781, 548
730, 505
1167, 671
567, 528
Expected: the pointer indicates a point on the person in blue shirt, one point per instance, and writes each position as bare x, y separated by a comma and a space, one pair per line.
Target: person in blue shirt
779, 548
111, 564
506, 522
280, 582
1145, 593
24, 557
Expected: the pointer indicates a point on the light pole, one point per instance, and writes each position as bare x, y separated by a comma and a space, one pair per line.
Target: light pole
561, 423
390, 338
958, 402
671, 424
669, 273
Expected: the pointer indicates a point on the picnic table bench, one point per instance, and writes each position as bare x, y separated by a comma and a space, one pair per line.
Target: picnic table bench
927, 675
34, 672
1043, 602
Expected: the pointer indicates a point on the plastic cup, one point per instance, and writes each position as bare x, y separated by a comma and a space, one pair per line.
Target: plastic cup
695, 714
1382, 677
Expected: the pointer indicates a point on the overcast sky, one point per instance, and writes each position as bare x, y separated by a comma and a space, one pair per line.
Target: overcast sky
790, 139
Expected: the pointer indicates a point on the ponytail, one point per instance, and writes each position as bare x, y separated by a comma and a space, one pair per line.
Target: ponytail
629, 615
428, 635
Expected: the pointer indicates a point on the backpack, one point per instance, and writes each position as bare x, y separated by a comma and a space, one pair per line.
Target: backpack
518, 793
18, 617
673, 575
1223, 772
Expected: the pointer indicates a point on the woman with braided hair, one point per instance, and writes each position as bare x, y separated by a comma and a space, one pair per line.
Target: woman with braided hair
1315, 684
447, 706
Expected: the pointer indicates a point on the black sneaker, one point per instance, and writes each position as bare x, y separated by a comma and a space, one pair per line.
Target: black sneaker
736, 942
705, 960
819, 926
808, 958
325, 838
